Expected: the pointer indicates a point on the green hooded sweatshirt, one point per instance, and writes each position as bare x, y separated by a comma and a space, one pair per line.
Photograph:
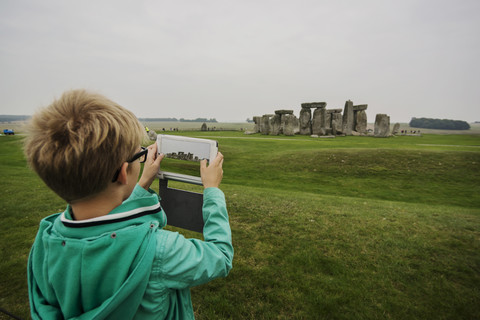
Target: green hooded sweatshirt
124, 265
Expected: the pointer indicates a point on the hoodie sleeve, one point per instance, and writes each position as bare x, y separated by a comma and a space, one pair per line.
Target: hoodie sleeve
183, 263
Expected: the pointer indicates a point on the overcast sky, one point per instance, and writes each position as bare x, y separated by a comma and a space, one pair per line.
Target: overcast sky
232, 60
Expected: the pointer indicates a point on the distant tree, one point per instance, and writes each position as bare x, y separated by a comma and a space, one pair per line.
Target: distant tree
9, 118
198, 120
444, 124
176, 120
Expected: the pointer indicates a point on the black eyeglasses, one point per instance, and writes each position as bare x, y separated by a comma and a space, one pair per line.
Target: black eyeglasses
142, 155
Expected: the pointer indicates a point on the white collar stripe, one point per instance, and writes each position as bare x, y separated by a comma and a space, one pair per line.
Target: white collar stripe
122, 216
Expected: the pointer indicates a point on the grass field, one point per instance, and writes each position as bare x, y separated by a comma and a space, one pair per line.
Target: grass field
343, 228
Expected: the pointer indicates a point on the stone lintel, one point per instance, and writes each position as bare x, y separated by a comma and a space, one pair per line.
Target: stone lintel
268, 115
283, 111
334, 110
307, 105
360, 107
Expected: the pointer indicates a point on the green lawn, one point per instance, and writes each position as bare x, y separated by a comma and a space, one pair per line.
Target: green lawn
343, 228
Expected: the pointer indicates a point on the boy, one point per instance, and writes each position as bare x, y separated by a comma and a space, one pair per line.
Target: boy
106, 256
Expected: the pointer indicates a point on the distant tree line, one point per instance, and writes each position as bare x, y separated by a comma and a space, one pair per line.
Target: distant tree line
444, 124
179, 120
198, 120
10, 118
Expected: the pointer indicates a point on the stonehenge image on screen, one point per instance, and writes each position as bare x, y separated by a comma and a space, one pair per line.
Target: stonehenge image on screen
316, 120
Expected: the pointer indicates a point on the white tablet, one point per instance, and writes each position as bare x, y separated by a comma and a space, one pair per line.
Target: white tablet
185, 148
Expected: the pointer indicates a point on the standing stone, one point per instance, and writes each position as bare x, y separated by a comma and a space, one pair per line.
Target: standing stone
348, 119
296, 126
284, 114
306, 116
396, 128
291, 125
360, 116
276, 125
361, 122
333, 121
382, 125
305, 121
329, 117
257, 121
337, 123
152, 135
278, 121
328, 120
265, 124
319, 120
204, 127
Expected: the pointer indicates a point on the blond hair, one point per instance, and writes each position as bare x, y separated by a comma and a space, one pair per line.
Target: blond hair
77, 143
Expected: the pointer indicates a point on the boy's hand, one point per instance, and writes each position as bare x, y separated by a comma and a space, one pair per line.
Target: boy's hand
213, 174
151, 167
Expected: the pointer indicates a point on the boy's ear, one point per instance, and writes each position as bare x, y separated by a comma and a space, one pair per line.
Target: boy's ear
122, 176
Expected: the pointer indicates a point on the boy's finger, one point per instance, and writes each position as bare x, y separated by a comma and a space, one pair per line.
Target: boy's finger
152, 149
203, 164
160, 157
218, 159
153, 146
152, 152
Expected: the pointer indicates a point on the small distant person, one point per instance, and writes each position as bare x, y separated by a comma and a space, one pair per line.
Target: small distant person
107, 255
